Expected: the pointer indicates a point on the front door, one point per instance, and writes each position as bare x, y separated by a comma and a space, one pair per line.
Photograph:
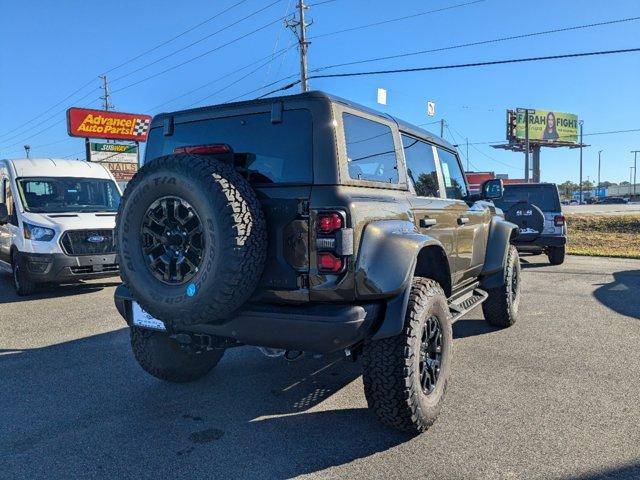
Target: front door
430, 210
7, 231
472, 220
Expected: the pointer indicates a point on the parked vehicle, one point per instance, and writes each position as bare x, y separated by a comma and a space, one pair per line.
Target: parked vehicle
310, 223
536, 209
56, 221
614, 200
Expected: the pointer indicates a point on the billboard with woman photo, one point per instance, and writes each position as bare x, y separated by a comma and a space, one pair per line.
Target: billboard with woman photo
548, 126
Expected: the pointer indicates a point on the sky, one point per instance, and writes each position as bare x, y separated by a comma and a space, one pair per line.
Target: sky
52, 53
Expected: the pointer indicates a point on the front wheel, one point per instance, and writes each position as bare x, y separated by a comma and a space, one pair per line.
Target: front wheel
405, 377
556, 255
165, 359
22, 281
501, 307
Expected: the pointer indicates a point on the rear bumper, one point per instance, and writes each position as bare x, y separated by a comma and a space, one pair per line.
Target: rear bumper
61, 268
541, 242
321, 328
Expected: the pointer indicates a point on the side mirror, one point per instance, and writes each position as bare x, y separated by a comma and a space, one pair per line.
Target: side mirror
4, 214
492, 189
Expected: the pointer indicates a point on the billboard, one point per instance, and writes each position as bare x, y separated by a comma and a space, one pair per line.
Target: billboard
113, 152
121, 160
547, 126
86, 123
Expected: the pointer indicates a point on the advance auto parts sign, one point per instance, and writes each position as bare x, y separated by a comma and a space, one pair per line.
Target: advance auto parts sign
82, 122
120, 160
548, 126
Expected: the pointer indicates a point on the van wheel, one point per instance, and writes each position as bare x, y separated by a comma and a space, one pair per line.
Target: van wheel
556, 255
405, 377
501, 307
164, 358
22, 281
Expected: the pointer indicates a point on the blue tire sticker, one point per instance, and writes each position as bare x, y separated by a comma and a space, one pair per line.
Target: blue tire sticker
191, 290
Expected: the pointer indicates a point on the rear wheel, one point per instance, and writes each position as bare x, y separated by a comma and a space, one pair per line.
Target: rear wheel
166, 359
22, 281
556, 255
405, 377
501, 307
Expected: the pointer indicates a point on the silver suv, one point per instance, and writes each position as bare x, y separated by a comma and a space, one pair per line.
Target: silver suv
536, 209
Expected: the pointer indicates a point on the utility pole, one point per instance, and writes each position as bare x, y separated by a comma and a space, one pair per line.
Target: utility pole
299, 28
631, 169
581, 124
635, 169
442, 128
105, 86
526, 145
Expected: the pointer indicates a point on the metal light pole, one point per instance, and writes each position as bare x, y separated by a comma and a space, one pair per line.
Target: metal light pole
27, 149
599, 154
526, 145
631, 169
581, 122
635, 171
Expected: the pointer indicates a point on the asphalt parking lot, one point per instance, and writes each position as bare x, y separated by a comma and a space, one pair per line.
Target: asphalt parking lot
555, 396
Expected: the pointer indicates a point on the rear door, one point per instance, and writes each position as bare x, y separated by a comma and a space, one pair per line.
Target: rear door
471, 220
431, 211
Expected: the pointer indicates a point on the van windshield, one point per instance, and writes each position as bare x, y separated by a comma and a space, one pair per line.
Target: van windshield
59, 195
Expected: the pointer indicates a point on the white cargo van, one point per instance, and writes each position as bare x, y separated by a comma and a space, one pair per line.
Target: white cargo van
56, 221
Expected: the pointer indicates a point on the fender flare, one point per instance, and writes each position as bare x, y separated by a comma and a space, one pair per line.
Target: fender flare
387, 260
501, 233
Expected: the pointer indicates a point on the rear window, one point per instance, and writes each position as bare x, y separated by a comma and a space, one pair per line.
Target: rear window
275, 152
545, 197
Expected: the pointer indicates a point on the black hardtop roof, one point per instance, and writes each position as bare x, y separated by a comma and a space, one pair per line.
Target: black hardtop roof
314, 95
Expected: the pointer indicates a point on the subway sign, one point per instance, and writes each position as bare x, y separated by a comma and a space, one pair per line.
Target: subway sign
87, 123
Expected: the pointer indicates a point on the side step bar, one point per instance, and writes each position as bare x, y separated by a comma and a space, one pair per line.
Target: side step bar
466, 300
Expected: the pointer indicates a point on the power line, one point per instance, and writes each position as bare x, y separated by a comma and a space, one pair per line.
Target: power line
216, 80
181, 34
457, 66
219, 47
482, 42
200, 40
477, 64
406, 17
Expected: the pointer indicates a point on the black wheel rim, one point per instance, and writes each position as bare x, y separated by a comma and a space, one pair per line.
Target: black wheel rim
172, 240
430, 354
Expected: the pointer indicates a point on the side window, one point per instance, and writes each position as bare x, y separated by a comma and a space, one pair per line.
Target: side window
421, 167
452, 174
11, 206
371, 152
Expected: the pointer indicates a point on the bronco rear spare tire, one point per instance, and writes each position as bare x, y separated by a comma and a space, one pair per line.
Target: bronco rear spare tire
191, 239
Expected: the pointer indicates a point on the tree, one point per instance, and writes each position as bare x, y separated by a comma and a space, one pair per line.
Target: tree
624, 183
587, 185
608, 184
567, 188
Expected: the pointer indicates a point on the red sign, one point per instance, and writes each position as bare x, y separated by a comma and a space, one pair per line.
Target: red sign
82, 122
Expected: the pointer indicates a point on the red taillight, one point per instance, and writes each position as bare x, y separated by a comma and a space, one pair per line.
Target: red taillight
558, 220
328, 262
214, 149
328, 223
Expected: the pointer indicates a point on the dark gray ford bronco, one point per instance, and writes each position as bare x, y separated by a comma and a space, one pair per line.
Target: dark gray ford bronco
307, 223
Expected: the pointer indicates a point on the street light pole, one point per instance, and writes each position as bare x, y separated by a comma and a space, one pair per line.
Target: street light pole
599, 154
631, 169
580, 186
635, 161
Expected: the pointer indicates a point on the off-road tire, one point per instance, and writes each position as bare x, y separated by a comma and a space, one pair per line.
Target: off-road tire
165, 359
391, 373
234, 233
556, 255
501, 307
22, 281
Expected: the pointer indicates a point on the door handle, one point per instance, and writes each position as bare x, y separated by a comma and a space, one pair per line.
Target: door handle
463, 220
427, 222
